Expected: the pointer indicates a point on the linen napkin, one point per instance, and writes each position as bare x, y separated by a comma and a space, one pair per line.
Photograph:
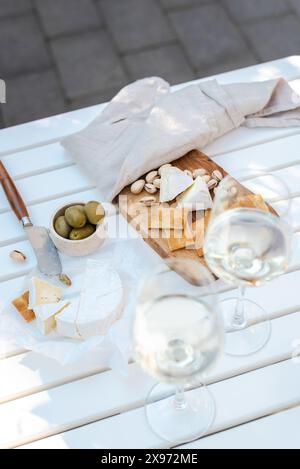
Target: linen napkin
146, 125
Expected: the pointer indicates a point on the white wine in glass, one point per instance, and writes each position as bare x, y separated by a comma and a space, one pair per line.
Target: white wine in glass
248, 244
174, 350
177, 336
247, 247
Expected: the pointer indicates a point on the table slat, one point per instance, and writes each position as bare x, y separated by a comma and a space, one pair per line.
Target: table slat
37, 160
238, 400
47, 186
265, 433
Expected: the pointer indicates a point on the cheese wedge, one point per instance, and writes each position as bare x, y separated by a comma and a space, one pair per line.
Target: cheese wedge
22, 306
45, 315
173, 182
167, 218
99, 306
42, 292
196, 197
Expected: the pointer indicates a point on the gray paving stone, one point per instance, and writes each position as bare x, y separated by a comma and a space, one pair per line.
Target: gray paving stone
168, 62
295, 5
245, 10
87, 64
245, 61
2, 125
22, 46
97, 98
275, 38
67, 16
135, 24
31, 97
182, 3
208, 35
14, 7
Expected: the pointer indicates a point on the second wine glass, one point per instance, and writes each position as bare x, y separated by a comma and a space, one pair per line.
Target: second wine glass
177, 336
248, 244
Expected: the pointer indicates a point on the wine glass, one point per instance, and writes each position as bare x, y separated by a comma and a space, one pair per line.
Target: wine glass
247, 243
177, 335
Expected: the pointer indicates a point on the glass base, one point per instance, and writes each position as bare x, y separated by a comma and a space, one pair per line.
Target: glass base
250, 339
179, 424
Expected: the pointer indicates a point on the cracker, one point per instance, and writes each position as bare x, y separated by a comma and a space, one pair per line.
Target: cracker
167, 218
21, 304
250, 201
198, 233
178, 239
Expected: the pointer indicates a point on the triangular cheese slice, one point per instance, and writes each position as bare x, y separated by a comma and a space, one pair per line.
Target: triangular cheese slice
42, 292
196, 197
46, 313
173, 182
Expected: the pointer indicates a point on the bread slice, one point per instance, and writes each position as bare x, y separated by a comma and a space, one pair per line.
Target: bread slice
22, 306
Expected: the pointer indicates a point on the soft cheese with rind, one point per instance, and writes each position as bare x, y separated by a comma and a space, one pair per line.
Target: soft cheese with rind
45, 315
196, 197
173, 182
66, 320
99, 306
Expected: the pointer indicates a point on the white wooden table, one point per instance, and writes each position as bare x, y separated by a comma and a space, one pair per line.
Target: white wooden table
43, 405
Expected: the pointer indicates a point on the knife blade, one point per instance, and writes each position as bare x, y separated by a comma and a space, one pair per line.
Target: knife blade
46, 253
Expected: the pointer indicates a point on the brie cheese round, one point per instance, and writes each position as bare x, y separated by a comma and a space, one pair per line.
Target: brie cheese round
45, 315
99, 306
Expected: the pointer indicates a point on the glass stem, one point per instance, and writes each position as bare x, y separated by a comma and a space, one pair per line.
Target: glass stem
179, 398
239, 320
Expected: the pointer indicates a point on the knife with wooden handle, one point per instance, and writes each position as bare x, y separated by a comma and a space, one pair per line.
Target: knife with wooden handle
46, 253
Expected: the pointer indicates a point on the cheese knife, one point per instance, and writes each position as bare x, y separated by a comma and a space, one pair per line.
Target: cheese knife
46, 253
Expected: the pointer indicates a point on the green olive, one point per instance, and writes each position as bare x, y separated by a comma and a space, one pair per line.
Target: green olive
94, 212
75, 217
80, 207
82, 233
62, 227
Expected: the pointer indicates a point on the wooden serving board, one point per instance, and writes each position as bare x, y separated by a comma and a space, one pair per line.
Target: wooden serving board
128, 202
192, 160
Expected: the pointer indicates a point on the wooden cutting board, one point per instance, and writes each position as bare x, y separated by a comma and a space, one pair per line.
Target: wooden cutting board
192, 160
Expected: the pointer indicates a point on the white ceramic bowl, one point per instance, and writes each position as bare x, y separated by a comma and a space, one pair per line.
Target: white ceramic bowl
82, 247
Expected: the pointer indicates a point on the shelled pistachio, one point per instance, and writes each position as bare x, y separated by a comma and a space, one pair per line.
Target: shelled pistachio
18, 256
150, 188
137, 186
